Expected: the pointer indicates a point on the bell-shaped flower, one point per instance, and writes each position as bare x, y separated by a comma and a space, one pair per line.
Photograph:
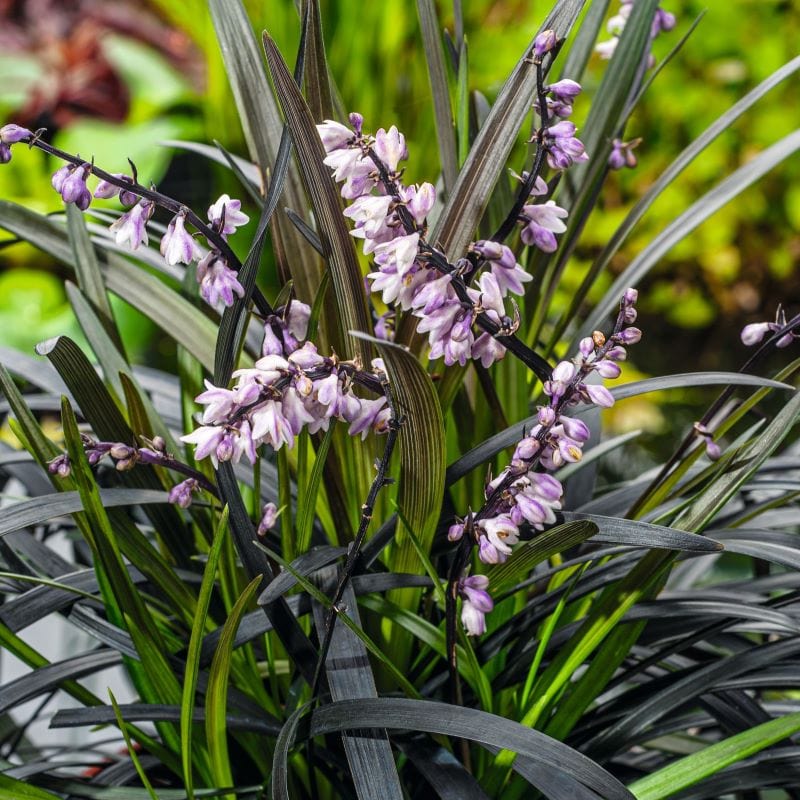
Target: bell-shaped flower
232, 213
271, 426
177, 245
476, 603
206, 439
390, 147
334, 135
181, 493
544, 220
131, 228
217, 281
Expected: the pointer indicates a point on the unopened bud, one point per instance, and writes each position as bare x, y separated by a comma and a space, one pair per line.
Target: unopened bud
545, 42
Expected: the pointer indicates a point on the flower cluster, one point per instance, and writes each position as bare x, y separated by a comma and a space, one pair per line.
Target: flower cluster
391, 219
756, 331
123, 456
273, 401
218, 282
521, 495
663, 21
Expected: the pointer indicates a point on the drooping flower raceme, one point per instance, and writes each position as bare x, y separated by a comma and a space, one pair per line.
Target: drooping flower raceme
663, 21
522, 494
273, 401
391, 220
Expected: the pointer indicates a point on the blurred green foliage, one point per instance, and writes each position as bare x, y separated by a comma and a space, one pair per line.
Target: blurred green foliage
735, 268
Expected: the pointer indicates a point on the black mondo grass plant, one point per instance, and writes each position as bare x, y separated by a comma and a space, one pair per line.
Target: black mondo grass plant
355, 545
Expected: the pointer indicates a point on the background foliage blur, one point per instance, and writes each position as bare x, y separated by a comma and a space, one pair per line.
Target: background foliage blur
115, 79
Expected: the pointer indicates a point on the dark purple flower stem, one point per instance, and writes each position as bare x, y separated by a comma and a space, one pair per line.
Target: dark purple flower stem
683, 448
538, 365
162, 200
496, 496
381, 479
510, 222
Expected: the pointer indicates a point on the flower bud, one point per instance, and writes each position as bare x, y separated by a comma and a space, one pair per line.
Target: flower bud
629, 336
545, 42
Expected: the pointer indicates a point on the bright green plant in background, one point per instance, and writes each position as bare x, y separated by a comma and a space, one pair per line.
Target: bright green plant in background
614, 663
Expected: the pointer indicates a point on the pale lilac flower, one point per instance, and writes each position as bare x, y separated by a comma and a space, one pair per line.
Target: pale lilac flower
606, 49
565, 89
563, 149
231, 210
220, 402
369, 215
106, 190
60, 466
181, 493
420, 200
177, 245
270, 425
754, 333
334, 135
400, 253
297, 316
294, 410
365, 419
476, 603
507, 272
622, 154
544, 220
390, 147
59, 176
598, 394
269, 516
206, 438
501, 532
455, 532
487, 350
131, 228
629, 335
217, 281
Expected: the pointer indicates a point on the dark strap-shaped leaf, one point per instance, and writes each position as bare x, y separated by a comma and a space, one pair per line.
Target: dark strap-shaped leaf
349, 676
234, 318
309, 562
45, 679
154, 712
45, 507
440, 91
255, 561
467, 723
487, 157
443, 771
351, 310
616, 530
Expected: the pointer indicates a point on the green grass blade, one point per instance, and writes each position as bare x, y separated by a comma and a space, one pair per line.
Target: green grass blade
440, 91
190, 753
687, 771
131, 747
217, 691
